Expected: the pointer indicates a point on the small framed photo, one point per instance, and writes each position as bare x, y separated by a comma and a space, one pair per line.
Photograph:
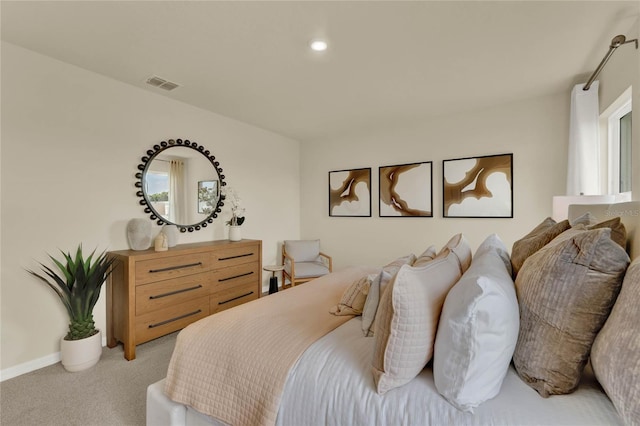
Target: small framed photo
207, 196
478, 187
406, 190
350, 193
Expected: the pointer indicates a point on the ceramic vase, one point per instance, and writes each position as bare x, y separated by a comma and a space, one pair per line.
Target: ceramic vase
139, 234
171, 231
78, 355
235, 233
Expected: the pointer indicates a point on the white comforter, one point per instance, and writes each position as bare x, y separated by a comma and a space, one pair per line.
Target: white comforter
332, 384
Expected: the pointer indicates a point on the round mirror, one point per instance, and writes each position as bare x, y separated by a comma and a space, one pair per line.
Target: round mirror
179, 183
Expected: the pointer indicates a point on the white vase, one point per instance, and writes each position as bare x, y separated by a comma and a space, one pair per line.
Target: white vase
235, 233
78, 355
139, 234
171, 231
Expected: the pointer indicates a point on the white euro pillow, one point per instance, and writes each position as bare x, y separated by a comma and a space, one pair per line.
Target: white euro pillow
407, 318
478, 329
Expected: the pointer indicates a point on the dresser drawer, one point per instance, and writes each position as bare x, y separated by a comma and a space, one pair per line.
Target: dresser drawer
233, 296
236, 275
160, 295
158, 323
231, 256
165, 268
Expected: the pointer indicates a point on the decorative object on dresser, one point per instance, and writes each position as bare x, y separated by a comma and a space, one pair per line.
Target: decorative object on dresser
139, 234
78, 287
161, 242
167, 194
171, 231
237, 213
151, 294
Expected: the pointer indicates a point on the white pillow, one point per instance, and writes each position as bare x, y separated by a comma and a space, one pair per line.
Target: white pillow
478, 329
407, 320
377, 287
427, 256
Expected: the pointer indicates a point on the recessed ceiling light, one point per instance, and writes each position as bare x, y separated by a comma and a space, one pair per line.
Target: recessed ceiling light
318, 45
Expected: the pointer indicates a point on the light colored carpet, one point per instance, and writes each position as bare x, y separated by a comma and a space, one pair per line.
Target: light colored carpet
113, 392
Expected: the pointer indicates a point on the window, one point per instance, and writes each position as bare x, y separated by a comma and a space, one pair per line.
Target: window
616, 123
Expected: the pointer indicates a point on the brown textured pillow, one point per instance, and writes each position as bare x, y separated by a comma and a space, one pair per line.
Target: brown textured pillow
353, 298
542, 234
618, 231
565, 292
614, 356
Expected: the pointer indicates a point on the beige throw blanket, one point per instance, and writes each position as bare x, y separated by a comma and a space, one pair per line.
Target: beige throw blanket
233, 365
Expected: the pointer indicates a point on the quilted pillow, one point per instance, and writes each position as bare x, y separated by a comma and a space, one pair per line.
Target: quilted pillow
378, 285
614, 356
565, 291
478, 329
535, 240
407, 322
353, 298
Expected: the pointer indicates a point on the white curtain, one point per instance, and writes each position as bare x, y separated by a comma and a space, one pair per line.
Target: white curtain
177, 196
583, 171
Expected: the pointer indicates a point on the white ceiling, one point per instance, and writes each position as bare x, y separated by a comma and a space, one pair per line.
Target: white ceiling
389, 62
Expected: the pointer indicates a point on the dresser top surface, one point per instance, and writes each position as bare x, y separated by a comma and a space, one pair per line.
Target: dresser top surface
186, 248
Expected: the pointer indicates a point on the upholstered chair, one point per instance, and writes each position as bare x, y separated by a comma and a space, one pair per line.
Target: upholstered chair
303, 261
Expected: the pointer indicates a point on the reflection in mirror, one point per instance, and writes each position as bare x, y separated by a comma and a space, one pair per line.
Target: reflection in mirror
179, 183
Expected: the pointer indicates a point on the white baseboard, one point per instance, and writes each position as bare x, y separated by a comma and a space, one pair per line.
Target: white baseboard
36, 364
27, 367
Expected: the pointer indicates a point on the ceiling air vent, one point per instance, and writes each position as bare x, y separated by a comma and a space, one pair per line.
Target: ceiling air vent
161, 83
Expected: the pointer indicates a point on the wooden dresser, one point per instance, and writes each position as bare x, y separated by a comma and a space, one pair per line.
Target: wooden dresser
153, 293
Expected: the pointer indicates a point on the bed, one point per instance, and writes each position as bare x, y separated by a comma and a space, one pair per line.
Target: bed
251, 373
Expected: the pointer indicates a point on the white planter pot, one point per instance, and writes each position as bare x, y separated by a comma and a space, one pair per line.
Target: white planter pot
235, 233
78, 355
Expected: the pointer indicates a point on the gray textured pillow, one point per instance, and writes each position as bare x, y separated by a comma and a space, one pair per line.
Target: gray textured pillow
542, 234
615, 356
378, 285
618, 231
565, 292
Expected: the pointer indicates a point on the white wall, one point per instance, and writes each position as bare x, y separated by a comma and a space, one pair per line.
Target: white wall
623, 70
71, 141
535, 131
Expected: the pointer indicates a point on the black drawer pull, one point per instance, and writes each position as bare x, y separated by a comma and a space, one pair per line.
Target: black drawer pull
171, 268
174, 319
235, 298
171, 293
234, 277
236, 257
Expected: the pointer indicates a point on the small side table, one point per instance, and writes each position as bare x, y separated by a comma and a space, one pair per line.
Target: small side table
273, 281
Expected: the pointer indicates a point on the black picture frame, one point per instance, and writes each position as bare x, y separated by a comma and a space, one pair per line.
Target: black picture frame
478, 187
406, 190
350, 193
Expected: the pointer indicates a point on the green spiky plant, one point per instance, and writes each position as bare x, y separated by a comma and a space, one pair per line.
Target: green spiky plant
78, 286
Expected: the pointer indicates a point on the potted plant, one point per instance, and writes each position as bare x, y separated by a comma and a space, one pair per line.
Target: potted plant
237, 214
77, 284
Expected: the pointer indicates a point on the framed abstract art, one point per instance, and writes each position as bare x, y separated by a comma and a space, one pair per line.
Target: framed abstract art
478, 187
350, 192
406, 190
